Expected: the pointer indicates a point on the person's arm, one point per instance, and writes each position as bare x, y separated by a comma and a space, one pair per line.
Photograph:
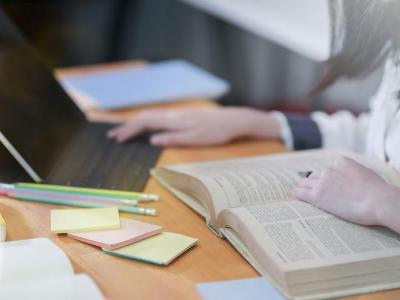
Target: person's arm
299, 132
320, 130
213, 126
354, 193
389, 209
196, 127
343, 130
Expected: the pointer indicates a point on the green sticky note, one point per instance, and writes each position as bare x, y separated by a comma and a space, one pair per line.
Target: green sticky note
86, 219
161, 249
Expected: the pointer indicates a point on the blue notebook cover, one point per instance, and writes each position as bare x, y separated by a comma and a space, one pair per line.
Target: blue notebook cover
243, 289
159, 82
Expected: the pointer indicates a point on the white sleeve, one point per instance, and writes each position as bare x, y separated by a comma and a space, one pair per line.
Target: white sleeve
343, 130
286, 134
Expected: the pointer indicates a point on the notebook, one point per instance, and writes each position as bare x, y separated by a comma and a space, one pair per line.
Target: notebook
257, 288
84, 219
38, 269
159, 82
161, 249
131, 231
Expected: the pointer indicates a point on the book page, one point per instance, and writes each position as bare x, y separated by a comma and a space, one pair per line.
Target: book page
255, 180
383, 169
77, 287
31, 260
298, 235
187, 188
261, 179
244, 182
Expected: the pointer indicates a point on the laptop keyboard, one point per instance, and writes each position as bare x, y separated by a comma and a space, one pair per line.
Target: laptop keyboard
92, 160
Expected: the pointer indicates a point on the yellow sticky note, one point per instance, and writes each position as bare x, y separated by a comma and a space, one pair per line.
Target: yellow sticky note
2, 229
86, 219
160, 249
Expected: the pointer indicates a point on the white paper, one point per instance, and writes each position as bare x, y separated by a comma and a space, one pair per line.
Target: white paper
79, 287
31, 260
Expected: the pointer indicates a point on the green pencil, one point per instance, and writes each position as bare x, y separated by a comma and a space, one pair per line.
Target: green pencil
55, 200
90, 191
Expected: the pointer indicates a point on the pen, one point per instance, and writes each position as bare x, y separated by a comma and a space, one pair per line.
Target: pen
54, 200
66, 197
304, 174
142, 197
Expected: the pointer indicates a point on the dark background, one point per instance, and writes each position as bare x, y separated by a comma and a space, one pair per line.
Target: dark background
262, 74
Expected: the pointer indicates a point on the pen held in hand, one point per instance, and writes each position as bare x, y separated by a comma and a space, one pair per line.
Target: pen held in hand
304, 174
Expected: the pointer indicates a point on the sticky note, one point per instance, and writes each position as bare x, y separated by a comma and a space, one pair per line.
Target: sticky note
2, 222
131, 231
2, 229
161, 249
258, 288
86, 219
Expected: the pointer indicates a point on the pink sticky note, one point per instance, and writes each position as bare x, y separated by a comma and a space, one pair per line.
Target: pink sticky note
131, 231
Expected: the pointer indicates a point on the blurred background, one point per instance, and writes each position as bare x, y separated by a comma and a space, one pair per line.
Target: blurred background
262, 74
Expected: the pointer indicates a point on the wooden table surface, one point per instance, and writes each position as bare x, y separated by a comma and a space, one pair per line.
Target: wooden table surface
212, 259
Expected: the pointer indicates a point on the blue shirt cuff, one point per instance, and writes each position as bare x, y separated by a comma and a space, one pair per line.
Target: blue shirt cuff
305, 132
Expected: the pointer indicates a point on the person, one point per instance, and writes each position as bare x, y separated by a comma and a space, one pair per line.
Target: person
364, 35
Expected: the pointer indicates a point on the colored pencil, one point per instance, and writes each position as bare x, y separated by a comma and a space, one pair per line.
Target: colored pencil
55, 200
142, 197
68, 197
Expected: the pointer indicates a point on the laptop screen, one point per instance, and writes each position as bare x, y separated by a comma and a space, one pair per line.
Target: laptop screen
37, 117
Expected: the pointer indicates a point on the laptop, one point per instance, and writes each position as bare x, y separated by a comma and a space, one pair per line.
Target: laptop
46, 138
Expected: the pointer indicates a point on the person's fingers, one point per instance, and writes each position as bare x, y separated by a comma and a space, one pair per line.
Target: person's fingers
306, 194
147, 121
355, 165
345, 162
128, 130
315, 175
345, 165
112, 133
178, 138
307, 183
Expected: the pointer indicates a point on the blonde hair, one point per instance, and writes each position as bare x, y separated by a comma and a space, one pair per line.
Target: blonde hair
364, 34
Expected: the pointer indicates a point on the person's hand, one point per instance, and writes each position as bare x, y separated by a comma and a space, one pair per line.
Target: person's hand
190, 127
352, 192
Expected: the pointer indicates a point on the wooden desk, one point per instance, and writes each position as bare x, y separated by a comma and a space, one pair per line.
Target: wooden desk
212, 259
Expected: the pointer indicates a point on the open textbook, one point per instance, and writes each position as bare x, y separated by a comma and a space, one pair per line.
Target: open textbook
304, 251
38, 269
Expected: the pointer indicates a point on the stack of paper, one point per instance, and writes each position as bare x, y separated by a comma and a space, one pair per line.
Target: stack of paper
102, 227
161, 249
131, 231
37, 269
80, 220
